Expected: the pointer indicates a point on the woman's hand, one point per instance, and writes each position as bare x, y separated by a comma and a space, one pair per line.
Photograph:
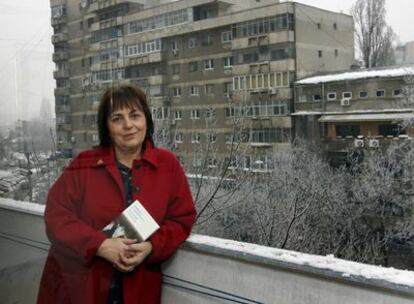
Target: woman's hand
114, 249
135, 254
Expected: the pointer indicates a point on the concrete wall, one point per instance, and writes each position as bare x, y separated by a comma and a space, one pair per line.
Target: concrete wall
198, 273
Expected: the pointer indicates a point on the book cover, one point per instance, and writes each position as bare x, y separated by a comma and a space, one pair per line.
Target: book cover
134, 223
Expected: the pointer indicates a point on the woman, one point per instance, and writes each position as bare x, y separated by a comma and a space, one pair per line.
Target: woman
84, 265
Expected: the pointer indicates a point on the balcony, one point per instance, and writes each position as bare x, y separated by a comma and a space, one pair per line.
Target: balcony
62, 109
106, 24
60, 37
211, 270
64, 73
62, 91
99, 5
58, 20
61, 55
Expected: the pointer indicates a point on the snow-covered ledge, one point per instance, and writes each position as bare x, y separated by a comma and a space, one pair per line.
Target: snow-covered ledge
213, 270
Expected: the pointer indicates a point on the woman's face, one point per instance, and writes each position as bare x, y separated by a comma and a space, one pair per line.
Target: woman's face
127, 128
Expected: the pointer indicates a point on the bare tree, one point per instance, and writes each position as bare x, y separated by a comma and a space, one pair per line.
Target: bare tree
374, 37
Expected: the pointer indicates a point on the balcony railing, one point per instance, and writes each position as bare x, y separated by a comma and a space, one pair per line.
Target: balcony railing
61, 73
98, 5
211, 270
61, 55
60, 37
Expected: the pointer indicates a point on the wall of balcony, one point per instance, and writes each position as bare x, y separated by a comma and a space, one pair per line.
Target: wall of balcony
209, 270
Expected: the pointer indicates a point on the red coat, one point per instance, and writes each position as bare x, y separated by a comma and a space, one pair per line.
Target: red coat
90, 194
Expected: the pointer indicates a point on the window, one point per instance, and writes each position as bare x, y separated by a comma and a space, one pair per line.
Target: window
320, 54
335, 26
348, 130
193, 66
195, 114
207, 40
391, 130
380, 93
175, 68
331, 96
178, 115
212, 162
397, 93
363, 94
176, 92
192, 42
228, 62
346, 94
250, 57
212, 137
317, 97
226, 37
174, 45
336, 53
319, 25
179, 137
194, 90
210, 113
209, 89
228, 87
208, 64
195, 138
162, 113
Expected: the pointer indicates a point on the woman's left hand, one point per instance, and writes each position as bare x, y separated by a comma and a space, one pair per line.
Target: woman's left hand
136, 253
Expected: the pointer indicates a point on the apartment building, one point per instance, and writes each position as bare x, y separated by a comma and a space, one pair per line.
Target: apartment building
203, 63
355, 110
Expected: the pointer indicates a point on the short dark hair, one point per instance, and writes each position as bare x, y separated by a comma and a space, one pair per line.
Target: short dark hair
118, 97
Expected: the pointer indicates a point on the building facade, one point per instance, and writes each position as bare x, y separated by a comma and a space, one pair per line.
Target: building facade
355, 110
204, 64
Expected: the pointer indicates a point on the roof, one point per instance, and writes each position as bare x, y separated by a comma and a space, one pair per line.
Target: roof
399, 71
366, 117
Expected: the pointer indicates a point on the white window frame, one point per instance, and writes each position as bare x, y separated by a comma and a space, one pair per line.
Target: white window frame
397, 95
177, 92
227, 62
178, 115
194, 90
226, 37
331, 98
376, 93
195, 138
208, 64
178, 138
195, 114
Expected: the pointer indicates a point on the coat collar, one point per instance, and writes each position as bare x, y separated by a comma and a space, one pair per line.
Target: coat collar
107, 155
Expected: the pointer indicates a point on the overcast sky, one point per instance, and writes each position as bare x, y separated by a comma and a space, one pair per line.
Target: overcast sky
25, 47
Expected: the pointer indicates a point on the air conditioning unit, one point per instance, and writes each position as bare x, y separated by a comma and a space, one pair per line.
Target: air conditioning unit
374, 143
274, 91
359, 143
346, 102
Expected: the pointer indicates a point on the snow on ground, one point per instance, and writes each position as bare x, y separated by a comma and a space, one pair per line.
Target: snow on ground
4, 174
347, 268
361, 74
20, 205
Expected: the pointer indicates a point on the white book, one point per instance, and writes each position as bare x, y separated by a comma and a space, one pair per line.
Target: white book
134, 223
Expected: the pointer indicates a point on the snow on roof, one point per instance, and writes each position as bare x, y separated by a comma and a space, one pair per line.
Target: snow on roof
366, 117
361, 74
30, 207
329, 262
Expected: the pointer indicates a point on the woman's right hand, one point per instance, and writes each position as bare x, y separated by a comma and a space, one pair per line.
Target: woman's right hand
112, 249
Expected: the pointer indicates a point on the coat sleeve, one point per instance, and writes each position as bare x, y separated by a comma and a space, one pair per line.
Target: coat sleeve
179, 219
68, 234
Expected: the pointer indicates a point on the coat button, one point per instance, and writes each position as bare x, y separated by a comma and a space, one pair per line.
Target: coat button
136, 189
